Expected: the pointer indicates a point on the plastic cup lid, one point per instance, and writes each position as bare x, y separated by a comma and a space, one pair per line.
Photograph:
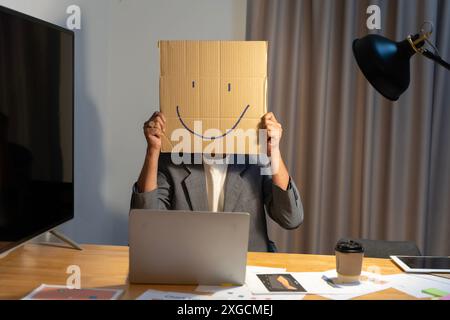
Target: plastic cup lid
349, 246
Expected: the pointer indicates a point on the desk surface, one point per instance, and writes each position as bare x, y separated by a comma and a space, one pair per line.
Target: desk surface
107, 267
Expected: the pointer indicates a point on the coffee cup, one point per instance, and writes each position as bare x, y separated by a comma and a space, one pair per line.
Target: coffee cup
349, 259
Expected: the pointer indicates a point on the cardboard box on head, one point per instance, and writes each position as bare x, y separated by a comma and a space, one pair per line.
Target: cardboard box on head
213, 94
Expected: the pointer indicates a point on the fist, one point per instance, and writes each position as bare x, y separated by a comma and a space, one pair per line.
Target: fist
153, 131
274, 132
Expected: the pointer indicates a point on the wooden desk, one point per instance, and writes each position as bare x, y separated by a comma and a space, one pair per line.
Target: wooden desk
107, 267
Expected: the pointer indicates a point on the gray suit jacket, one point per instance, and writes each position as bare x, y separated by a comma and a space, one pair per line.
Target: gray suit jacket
183, 187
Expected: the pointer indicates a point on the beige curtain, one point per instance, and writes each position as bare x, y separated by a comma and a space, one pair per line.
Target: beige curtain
365, 167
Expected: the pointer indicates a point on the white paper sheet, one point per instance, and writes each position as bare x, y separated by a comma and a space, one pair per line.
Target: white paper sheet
413, 284
314, 284
237, 293
251, 270
165, 295
432, 278
257, 269
242, 293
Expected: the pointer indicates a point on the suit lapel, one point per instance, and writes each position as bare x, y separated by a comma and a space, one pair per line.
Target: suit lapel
195, 186
233, 186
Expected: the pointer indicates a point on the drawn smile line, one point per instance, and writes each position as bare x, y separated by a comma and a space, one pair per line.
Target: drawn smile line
211, 138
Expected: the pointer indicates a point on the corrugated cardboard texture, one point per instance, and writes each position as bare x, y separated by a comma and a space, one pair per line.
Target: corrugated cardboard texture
223, 84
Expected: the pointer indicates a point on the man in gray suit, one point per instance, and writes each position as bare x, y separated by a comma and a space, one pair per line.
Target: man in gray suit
162, 185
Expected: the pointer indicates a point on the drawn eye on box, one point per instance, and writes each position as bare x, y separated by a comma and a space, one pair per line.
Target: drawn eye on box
194, 86
222, 84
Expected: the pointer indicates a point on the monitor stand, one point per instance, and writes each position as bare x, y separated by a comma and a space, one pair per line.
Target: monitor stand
56, 234
65, 239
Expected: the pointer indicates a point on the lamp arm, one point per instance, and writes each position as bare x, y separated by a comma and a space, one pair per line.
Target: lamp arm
436, 58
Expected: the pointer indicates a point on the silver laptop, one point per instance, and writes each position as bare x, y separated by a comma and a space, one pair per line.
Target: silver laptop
183, 247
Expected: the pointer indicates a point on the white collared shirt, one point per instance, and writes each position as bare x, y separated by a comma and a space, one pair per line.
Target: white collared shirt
216, 175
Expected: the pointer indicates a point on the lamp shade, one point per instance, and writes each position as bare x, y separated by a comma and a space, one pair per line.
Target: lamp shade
385, 64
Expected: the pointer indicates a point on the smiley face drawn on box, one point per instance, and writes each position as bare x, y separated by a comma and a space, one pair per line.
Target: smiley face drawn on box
222, 84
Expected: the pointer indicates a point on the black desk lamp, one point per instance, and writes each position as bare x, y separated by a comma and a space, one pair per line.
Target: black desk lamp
385, 63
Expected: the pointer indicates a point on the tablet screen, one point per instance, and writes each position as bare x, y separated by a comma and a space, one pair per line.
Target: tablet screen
426, 262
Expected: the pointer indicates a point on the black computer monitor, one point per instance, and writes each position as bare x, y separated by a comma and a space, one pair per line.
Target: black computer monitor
36, 127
